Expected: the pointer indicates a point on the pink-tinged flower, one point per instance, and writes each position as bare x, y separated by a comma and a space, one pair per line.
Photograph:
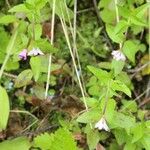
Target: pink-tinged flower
23, 54
118, 55
101, 124
35, 52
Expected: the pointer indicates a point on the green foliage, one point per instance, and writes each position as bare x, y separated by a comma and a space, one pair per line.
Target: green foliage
23, 78
21, 143
108, 82
60, 140
4, 108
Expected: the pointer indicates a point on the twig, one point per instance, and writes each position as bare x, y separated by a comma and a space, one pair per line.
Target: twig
144, 102
102, 24
138, 69
85, 10
9, 75
137, 98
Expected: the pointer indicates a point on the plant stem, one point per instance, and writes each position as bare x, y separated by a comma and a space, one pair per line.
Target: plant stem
8, 50
50, 56
106, 99
117, 18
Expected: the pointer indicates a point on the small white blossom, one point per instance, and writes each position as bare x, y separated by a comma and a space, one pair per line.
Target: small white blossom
35, 52
101, 124
118, 55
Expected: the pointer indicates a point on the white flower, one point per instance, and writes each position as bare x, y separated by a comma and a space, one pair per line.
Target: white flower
35, 52
118, 55
101, 124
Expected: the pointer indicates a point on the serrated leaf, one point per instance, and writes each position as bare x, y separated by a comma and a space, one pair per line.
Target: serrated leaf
4, 108
7, 19
122, 121
117, 85
44, 141
137, 21
21, 143
23, 78
63, 140
102, 75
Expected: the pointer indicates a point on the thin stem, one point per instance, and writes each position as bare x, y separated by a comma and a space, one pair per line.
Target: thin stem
106, 99
137, 98
101, 23
50, 56
8, 50
74, 63
8, 4
24, 112
117, 18
73, 32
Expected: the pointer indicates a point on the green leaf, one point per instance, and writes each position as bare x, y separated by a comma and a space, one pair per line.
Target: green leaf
39, 91
121, 136
138, 132
123, 77
137, 21
37, 31
21, 143
19, 8
129, 106
117, 85
117, 33
35, 63
91, 102
90, 116
102, 75
11, 65
117, 66
130, 48
94, 90
23, 78
145, 141
92, 137
129, 146
62, 10
122, 121
45, 46
110, 109
7, 19
4, 108
63, 140
44, 141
